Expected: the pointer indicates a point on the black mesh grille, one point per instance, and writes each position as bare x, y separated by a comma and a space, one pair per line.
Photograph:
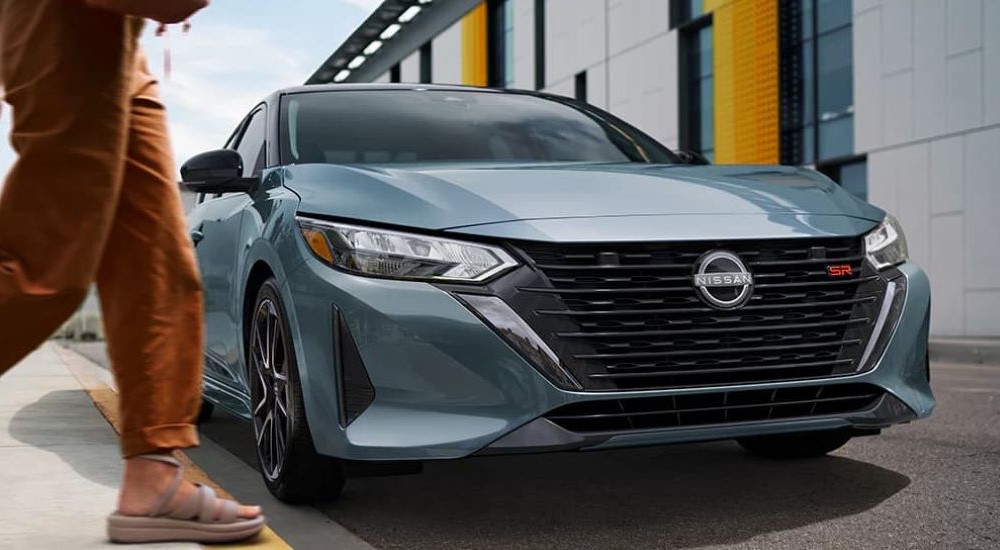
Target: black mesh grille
650, 413
356, 390
627, 316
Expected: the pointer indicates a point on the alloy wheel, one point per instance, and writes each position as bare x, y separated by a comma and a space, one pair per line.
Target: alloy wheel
272, 422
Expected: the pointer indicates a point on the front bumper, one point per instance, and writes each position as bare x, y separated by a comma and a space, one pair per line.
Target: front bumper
446, 386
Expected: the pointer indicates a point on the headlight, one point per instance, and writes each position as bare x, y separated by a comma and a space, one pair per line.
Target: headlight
393, 254
885, 245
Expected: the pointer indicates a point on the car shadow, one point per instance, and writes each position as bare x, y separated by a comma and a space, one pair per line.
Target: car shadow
666, 497
65, 423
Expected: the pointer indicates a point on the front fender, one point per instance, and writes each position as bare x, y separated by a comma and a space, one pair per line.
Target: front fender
268, 240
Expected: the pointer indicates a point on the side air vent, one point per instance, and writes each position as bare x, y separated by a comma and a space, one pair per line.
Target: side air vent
355, 388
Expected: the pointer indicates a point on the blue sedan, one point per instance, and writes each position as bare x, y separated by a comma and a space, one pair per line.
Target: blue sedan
403, 273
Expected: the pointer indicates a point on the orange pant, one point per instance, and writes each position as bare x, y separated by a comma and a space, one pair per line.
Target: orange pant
92, 197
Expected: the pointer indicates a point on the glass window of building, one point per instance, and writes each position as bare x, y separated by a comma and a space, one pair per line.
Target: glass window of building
501, 43
539, 44
817, 97
817, 90
851, 175
697, 93
684, 11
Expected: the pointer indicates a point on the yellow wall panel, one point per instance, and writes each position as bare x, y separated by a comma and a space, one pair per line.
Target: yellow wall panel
474, 37
745, 63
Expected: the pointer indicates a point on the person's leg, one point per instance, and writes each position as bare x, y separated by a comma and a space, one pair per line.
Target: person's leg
150, 292
65, 68
151, 300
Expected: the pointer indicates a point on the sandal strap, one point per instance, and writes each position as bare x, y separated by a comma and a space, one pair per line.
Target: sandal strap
168, 494
209, 504
161, 457
191, 508
229, 511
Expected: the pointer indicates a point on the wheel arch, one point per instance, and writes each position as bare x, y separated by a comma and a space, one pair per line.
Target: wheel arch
259, 273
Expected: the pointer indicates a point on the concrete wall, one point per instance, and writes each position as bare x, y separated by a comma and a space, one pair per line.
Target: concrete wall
446, 56
643, 66
524, 44
927, 113
409, 69
629, 53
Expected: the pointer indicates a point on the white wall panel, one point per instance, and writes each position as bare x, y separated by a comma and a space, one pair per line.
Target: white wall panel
929, 85
446, 56
964, 19
409, 69
632, 22
913, 199
866, 5
897, 108
947, 175
897, 36
867, 81
965, 91
982, 224
946, 267
597, 85
644, 87
563, 88
576, 35
991, 61
882, 167
524, 44
981, 317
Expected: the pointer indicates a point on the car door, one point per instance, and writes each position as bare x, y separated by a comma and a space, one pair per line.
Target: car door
215, 229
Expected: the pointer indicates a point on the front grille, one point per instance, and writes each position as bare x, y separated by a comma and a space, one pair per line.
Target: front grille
626, 316
705, 409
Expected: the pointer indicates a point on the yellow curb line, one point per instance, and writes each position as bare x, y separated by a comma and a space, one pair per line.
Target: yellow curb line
105, 398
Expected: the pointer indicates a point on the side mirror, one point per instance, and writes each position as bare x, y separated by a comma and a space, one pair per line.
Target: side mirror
218, 171
691, 157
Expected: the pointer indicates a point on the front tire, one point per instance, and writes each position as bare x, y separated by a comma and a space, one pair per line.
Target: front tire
796, 445
292, 469
205, 411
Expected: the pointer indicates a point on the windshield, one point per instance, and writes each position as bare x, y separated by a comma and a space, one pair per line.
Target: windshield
416, 126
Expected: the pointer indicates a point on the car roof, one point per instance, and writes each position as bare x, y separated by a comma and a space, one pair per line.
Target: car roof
387, 86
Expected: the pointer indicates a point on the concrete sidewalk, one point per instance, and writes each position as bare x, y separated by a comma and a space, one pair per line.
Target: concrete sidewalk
59, 460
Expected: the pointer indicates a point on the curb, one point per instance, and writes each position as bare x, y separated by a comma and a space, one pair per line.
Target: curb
100, 388
971, 351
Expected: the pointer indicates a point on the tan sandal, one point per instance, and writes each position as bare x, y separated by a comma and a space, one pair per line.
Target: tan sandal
203, 518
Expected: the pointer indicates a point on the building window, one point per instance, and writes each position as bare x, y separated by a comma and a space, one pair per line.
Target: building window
697, 106
580, 86
539, 44
501, 43
851, 174
684, 11
395, 74
817, 97
425, 63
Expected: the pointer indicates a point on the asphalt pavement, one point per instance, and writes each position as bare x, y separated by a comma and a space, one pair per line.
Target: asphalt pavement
930, 484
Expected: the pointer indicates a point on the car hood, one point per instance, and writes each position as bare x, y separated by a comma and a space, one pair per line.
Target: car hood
441, 197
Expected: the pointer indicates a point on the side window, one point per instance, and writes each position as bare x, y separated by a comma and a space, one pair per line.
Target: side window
251, 146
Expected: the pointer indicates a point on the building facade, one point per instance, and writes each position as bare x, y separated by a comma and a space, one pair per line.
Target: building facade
896, 100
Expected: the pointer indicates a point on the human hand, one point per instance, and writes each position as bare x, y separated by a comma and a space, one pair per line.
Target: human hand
164, 11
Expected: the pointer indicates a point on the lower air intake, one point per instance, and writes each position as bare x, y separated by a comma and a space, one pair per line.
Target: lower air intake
356, 390
705, 409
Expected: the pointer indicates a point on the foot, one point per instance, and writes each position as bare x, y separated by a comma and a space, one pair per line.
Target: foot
144, 482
